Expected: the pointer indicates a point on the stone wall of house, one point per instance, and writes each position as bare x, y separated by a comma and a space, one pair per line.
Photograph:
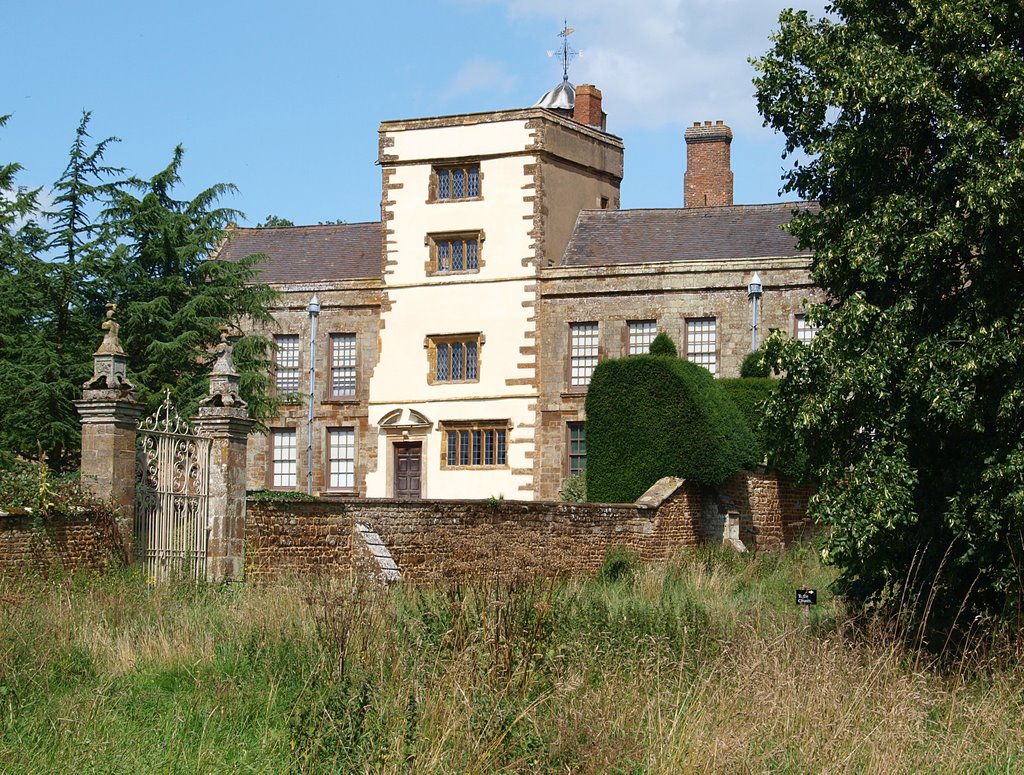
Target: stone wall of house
67, 544
666, 293
346, 307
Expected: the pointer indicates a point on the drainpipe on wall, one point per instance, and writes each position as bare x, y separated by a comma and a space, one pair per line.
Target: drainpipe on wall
754, 291
314, 312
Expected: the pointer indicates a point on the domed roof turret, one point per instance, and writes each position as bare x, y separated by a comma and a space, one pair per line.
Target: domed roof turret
562, 97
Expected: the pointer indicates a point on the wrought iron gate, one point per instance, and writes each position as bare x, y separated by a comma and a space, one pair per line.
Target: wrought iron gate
172, 480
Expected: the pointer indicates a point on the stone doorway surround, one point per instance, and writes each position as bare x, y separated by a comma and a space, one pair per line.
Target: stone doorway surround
406, 430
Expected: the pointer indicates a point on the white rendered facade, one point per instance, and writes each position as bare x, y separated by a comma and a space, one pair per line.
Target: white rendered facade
492, 303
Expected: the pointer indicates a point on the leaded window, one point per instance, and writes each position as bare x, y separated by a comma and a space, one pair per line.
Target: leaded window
456, 358
452, 253
582, 353
701, 343
457, 182
286, 364
343, 365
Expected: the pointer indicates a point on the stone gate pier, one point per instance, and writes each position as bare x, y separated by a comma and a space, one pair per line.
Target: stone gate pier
112, 466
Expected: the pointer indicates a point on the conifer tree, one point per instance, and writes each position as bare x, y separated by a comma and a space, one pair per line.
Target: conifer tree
172, 300
146, 251
20, 291
55, 273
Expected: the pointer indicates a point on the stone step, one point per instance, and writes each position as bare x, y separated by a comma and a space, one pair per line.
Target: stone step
389, 571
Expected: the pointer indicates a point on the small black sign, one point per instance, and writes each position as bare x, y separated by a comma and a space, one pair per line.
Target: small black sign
807, 597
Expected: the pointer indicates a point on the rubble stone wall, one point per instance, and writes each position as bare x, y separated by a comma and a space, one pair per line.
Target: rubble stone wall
466, 539
66, 545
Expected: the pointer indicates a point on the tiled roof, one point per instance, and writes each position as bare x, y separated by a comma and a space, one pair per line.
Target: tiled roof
608, 237
300, 254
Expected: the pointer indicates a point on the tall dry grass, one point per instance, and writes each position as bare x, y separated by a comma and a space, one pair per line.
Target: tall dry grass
702, 665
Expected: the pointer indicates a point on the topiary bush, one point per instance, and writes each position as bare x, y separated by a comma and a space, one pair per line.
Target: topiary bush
663, 345
649, 417
750, 395
755, 365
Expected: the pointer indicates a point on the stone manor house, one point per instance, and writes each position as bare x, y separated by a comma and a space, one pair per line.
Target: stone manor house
456, 337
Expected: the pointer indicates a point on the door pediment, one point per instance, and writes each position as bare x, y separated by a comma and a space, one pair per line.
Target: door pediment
402, 422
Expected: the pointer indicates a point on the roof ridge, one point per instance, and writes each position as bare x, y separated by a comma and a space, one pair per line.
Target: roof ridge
308, 226
703, 210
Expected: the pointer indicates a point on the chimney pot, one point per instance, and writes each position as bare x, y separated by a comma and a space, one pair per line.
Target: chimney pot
708, 181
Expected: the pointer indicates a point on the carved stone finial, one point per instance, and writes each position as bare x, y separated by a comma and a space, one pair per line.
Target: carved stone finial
111, 344
224, 380
109, 362
225, 365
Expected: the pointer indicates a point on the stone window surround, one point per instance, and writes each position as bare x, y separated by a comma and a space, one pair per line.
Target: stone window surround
450, 165
430, 242
570, 456
574, 327
293, 348
329, 396
273, 434
329, 449
468, 427
693, 319
430, 343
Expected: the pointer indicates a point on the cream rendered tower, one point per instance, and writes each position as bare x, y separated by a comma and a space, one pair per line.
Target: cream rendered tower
473, 206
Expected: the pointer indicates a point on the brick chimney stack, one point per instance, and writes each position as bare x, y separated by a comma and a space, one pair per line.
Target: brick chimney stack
708, 178
587, 109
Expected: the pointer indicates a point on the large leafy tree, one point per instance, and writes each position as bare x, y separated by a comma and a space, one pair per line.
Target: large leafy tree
906, 119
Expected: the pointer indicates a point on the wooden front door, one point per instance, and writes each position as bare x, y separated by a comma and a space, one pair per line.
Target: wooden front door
408, 463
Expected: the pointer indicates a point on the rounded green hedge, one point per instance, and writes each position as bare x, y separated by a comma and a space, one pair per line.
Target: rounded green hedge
754, 365
750, 394
651, 416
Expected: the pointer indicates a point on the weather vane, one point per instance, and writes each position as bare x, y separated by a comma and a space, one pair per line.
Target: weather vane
567, 54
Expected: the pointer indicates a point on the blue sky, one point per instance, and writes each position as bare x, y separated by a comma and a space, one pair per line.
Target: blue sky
285, 100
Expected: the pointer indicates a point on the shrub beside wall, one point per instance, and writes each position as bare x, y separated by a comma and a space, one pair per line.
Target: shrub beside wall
651, 416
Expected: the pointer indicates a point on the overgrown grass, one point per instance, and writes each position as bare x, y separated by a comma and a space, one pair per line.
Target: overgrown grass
701, 665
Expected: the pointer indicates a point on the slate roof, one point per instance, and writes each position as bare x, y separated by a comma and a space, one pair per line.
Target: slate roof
300, 254
609, 237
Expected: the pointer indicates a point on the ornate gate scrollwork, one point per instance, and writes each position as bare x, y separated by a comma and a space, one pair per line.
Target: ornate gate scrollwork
172, 479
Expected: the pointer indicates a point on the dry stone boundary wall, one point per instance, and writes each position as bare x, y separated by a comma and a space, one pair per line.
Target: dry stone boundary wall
465, 539
451, 539
71, 543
